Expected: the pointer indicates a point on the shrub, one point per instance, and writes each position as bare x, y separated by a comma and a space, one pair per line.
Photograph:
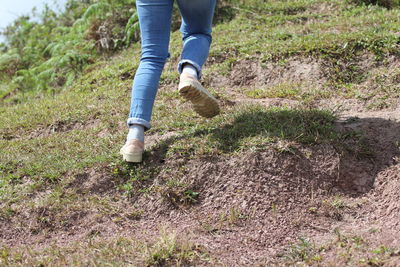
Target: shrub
50, 51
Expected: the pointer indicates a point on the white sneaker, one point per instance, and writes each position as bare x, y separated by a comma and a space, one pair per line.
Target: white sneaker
203, 102
132, 151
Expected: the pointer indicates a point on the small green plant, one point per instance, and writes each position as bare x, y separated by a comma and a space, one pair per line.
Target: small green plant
234, 216
133, 179
191, 196
303, 251
168, 250
334, 208
338, 203
381, 250
179, 194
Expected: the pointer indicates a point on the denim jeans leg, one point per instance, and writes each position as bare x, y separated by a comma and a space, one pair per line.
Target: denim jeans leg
197, 16
155, 23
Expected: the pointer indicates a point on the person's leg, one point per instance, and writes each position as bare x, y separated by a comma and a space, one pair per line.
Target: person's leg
196, 28
197, 16
155, 21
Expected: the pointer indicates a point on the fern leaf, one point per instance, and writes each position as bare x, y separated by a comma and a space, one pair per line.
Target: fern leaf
96, 10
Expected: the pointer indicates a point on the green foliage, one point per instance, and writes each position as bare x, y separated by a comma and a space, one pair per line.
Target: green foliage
9, 63
132, 29
170, 251
304, 251
49, 53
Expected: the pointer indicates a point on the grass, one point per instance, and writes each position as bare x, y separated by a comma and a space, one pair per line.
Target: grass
254, 127
233, 217
354, 249
226, 220
303, 251
179, 194
283, 90
346, 249
334, 208
293, 91
372, 28
166, 250
47, 140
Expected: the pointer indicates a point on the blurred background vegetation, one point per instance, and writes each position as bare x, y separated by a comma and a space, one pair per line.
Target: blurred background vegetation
48, 52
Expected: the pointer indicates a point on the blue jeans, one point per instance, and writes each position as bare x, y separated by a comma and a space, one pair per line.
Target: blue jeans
155, 23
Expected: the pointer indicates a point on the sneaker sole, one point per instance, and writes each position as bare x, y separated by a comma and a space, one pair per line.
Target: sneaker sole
135, 157
203, 102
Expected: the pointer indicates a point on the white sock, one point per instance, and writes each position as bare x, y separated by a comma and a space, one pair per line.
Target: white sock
136, 132
189, 69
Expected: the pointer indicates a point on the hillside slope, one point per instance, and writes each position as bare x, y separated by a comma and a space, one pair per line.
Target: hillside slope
301, 168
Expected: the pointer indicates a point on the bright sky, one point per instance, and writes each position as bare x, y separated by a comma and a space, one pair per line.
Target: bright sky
11, 9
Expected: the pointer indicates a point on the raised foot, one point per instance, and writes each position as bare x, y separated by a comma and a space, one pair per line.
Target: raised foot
204, 103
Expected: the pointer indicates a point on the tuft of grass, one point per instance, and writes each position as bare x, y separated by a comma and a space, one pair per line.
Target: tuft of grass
345, 250
168, 250
227, 219
134, 179
338, 203
354, 249
233, 217
303, 251
179, 194
334, 208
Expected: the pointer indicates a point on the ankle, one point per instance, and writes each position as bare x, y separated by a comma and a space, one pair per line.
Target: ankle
189, 71
188, 76
136, 131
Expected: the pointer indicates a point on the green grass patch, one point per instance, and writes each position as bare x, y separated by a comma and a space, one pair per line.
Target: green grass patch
49, 157
275, 36
166, 250
303, 251
255, 127
283, 90
294, 91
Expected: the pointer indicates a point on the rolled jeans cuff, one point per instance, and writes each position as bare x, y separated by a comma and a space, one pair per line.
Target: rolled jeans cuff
194, 64
139, 121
